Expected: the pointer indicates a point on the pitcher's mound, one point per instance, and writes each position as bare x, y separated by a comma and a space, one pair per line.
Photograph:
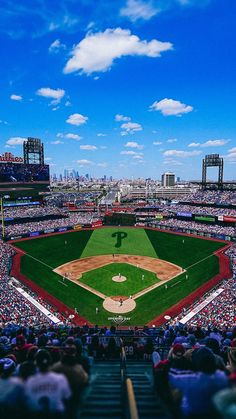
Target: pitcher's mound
115, 306
119, 278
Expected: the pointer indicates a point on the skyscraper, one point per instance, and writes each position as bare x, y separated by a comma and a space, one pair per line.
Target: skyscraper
168, 179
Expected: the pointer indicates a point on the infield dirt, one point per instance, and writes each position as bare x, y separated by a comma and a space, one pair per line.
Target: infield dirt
74, 269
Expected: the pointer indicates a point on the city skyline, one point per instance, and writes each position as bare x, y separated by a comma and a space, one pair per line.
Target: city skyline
131, 88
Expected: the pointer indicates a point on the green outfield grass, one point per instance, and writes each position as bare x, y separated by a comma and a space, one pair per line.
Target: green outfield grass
46, 253
121, 240
101, 279
181, 250
58, 249
148, 306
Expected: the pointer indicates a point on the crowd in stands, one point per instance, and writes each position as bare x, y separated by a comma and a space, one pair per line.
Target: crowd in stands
192, 225
175, 208
231, 252
77, 197
220, 312
32, 211
215, 197
43, 370
14, 307
71, 220
198, 377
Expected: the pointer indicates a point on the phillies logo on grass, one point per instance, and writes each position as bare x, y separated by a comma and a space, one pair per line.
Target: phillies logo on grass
10, 158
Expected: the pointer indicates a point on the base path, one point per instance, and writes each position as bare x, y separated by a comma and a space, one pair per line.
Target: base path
163, 270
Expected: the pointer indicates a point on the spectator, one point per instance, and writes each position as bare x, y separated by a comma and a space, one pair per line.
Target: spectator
46, 391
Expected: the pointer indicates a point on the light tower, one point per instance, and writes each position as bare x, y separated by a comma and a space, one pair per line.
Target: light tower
212, 160
33, 151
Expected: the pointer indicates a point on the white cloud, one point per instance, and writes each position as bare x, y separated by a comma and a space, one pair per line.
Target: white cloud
75, 137
97, 51
171, 107
47, 158
88, 147
214, 143
157, 142
181, 153
131, 153
59, 135
128, 153
138, 157
131, 127
210, 143
56, 142
134, 144
100, 134
119, 118
84, 162
137, 9
77, 119
103, 147
172, 140
68, 103
16, 141
56, 46
231, 157
102, 164
16, 97
194, 145
47, 92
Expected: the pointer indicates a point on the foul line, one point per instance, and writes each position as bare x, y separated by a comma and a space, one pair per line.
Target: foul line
199, 261
40, 261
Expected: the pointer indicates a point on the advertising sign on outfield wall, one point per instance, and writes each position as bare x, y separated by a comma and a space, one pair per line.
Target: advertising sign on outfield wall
77, 227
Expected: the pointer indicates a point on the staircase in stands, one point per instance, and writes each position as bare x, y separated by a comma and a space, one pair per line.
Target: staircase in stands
105, 398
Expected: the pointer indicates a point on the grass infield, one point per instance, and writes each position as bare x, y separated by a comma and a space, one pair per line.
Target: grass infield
101, 279
46, 253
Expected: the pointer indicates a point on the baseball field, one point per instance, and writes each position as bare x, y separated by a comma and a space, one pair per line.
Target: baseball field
136, 271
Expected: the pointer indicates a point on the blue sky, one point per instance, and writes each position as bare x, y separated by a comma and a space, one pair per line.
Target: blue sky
120, 87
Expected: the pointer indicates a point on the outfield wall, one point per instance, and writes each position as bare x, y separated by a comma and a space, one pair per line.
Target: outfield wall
192, 232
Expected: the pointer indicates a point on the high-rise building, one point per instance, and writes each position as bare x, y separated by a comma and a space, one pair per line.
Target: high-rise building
168, 179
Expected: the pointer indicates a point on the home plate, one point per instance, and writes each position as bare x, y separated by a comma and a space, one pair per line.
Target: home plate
113, 305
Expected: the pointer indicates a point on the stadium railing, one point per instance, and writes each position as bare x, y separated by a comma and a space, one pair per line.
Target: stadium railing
127, 392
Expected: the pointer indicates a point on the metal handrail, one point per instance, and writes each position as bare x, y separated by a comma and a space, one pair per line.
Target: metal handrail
131, 401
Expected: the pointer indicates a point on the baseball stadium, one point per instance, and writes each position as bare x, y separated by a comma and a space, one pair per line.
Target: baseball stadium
117, 209
107, 298
139, 272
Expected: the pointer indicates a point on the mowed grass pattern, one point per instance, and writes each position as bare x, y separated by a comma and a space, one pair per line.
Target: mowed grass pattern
148, 306
130, 241
57, 249
101, 279
62, 248
181, 250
